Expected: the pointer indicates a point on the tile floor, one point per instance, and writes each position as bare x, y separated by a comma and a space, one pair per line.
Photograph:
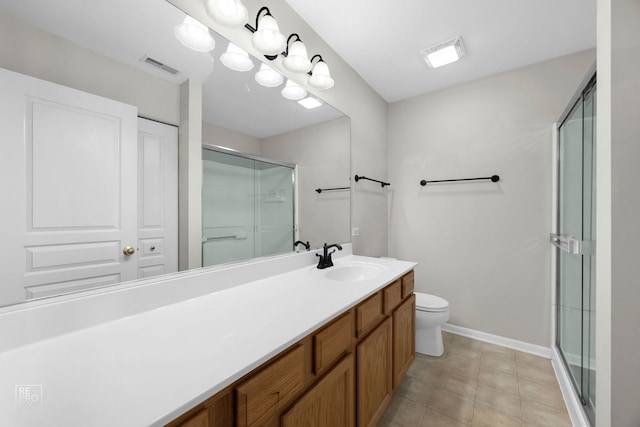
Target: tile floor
477, 384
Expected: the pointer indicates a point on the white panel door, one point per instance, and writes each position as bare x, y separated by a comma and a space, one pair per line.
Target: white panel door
68, 168
158, 198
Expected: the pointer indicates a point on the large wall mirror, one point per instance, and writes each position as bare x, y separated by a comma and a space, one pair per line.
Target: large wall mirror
50, 41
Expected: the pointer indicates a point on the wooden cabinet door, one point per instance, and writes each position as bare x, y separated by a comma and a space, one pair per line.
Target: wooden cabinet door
404, 339
327, 404
374, 373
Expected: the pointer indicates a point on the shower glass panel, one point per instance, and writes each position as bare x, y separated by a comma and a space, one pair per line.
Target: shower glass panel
575, 240
247, 207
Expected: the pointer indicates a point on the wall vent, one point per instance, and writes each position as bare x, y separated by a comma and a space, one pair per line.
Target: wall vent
160, 65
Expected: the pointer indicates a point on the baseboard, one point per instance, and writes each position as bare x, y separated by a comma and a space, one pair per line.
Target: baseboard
525, 347
578, 417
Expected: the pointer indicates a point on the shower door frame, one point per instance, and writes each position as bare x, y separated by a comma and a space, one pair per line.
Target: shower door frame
584, 88
293, 166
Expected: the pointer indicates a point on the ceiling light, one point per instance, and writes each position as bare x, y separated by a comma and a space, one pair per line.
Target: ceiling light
194, 35
293, 91
267, 37
237, 59
320, 77
444, 53
310, 102
268, 77
227, 12
296, 58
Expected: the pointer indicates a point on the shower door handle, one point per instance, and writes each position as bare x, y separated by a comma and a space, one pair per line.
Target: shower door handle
567, 243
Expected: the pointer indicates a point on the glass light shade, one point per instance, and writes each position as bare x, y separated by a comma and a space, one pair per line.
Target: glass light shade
237, 59
227, 12
268, 77
293, 91
320, 77
194, 35
442, 57
268, 39
297, 59
444, 53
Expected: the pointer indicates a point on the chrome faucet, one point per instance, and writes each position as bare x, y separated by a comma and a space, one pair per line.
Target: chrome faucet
307, 246
325, 260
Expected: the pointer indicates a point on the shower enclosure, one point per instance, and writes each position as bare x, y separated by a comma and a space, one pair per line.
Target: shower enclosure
575, 240
247, 206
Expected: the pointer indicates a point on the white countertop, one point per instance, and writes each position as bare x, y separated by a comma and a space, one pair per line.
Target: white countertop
149, 368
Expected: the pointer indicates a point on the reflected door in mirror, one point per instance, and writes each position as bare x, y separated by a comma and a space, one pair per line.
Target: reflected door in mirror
76, 155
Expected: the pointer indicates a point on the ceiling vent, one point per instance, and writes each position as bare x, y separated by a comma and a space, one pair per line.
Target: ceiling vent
160, 65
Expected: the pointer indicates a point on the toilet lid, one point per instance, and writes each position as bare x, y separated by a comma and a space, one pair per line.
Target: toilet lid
426, 302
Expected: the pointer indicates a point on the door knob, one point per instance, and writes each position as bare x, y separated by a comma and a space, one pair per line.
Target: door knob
128, 251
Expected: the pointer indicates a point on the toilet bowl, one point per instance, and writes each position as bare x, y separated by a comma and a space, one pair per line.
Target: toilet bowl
431, 313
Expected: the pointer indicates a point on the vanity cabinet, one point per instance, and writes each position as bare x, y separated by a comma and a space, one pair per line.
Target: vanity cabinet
341, 375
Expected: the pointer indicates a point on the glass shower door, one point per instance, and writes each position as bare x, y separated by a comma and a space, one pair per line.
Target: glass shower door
274, 209
247, 207
575, 240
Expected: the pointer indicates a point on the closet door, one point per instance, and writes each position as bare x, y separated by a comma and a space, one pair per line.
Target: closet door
68, 167
157, 198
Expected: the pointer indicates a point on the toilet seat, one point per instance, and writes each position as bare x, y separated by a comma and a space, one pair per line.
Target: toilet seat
430, 303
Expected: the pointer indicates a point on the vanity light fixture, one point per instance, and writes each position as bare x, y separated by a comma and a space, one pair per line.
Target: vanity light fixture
293, 91
310, 102
227, 12
320, 76
267, 37
444, 53
237, 59
296, 58
268, 77
194, 35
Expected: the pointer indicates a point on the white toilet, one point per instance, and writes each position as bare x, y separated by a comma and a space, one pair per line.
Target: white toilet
431, 313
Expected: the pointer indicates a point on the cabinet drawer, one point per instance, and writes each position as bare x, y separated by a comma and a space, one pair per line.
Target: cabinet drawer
272, 388
368, 314
407, 284
201, 419
332, 342
392, 296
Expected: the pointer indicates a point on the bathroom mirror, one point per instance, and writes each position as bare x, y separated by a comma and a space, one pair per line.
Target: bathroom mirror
237, 113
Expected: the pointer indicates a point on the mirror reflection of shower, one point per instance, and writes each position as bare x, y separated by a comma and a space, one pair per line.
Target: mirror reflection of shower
247, 207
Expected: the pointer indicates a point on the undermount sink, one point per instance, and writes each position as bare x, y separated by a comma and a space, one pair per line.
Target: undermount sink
355, 272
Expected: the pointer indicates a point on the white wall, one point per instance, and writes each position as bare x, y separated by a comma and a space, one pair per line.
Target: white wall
220, 136
322, 155
29, 50
482, 246
618, 207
